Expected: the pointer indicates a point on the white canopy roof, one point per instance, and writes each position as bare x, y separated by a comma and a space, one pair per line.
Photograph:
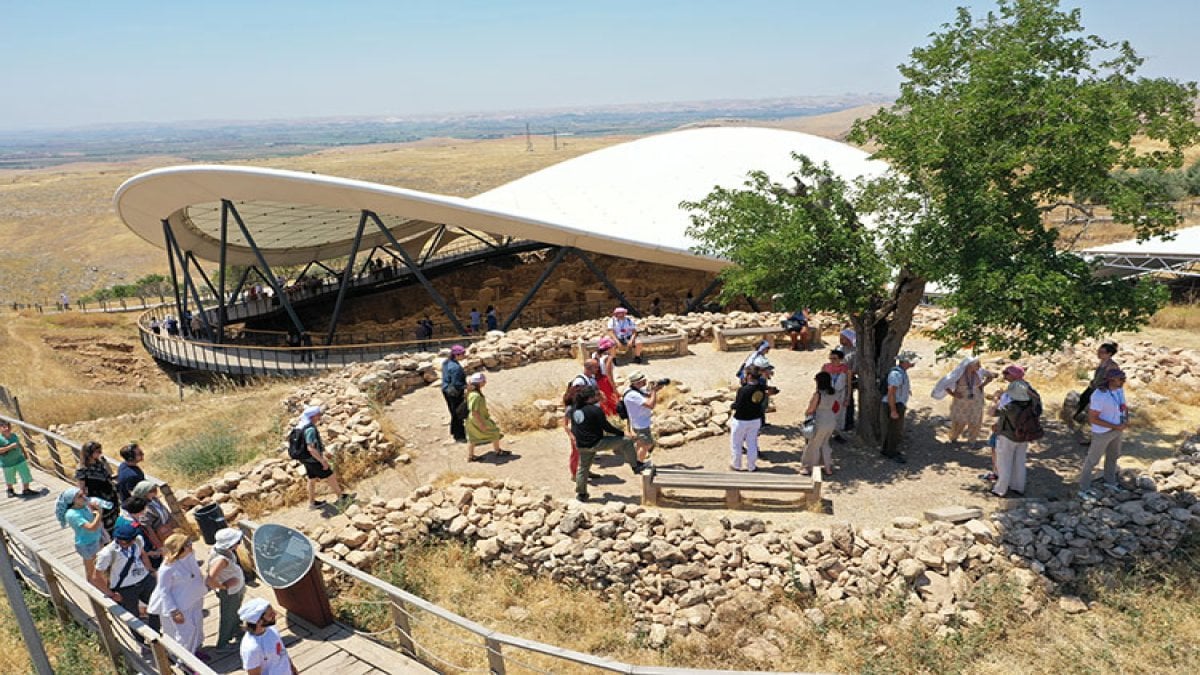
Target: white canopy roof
621, 201
1179, 255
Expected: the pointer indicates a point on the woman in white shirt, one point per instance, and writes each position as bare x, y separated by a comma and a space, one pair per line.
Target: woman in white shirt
226, 577
1109, 418
179, 596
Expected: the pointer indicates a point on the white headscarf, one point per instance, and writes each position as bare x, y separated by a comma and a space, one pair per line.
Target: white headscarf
947, 383
306, 416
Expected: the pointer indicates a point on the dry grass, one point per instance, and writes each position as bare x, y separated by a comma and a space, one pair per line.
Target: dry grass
72, 649
1177, 317
525, 416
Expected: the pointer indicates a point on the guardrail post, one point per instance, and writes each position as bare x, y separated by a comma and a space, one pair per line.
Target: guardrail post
495, 657
52, 448
107, 637
29, 631
56, 594
404, 627
160, 657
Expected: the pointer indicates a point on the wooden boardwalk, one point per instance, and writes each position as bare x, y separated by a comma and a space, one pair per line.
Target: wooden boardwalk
335, 649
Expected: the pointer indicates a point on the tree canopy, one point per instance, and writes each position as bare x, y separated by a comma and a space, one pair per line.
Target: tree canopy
1000, 117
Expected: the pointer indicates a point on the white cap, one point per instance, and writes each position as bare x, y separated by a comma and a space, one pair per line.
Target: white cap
227, 538
477, 378
253, 610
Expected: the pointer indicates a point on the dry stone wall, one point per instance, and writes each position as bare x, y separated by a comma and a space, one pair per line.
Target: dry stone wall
680, 577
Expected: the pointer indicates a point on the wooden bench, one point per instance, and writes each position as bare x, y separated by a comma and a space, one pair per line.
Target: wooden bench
678, 343
721, 336
732, 482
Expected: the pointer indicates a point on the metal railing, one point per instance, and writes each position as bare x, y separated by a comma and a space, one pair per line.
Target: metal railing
498, 647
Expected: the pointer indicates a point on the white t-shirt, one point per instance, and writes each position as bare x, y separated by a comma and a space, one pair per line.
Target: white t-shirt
113, 558
1111, 406
639, 414
623, 328
266, 651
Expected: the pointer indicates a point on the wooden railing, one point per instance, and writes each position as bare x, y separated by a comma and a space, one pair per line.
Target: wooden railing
51, 458
405, 605
75, 599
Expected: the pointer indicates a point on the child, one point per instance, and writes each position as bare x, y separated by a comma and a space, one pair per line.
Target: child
12, 458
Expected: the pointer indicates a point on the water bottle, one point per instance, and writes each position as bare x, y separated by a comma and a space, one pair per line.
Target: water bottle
101, 504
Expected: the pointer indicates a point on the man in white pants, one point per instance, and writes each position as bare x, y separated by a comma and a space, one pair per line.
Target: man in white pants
1109, 416
1010, 454
748, 414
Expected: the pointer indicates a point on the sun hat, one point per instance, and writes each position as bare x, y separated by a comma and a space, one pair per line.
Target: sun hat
761, 362
227, 538
458, 350
620, 310
174, 545
143, 488
253, 610
637, 376
477, 378
1018, 390
1014, 371
908, 356
605, 344
125, 532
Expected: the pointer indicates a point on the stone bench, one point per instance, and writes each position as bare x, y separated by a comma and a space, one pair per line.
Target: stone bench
733, 483
678, 343
721, 336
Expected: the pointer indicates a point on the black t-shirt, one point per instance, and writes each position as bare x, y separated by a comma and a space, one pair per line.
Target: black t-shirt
748, 404
588, 425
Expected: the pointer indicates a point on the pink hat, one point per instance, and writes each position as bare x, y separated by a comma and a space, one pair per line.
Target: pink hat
1014, 371
620, 310
605, 344
458, 350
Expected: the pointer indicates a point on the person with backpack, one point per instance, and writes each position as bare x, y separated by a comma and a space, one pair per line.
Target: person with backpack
896, 390
122, 571
1019, 410
1105, 353
638, 407
1108, 414
593, 432
305, 446
747, 419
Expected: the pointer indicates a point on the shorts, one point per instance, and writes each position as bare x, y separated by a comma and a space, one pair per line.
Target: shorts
88, 551
645, 436
313, 469
19, 470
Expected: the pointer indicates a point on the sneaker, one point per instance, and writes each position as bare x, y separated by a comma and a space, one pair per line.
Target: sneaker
316, 504
988, 476
642, 467
582, 496
11, 493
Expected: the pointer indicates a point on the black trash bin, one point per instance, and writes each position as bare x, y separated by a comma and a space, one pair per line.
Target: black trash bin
210, 518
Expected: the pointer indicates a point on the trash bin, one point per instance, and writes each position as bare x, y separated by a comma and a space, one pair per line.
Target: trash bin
210, 518
286, 562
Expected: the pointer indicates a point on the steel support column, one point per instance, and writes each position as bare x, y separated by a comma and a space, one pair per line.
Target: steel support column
167, 239
612, 288
558, 258
347, 275
416, 270
237, 290
262, 262
434, 242
223, 308
712, 285
188, 284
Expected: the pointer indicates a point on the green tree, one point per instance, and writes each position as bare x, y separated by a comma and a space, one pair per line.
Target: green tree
1000, 117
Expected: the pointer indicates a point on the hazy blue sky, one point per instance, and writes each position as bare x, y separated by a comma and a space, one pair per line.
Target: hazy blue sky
74, 63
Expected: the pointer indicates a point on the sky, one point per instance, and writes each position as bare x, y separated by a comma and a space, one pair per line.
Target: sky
77, 63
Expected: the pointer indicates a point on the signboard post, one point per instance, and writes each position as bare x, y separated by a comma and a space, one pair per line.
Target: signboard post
286, 561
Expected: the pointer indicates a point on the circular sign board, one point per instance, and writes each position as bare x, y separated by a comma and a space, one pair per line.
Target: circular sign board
282, 555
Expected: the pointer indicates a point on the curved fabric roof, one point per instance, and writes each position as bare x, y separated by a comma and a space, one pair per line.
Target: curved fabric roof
1178, 255
622, 200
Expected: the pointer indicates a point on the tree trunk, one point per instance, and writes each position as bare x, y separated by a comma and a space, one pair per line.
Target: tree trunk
880, 334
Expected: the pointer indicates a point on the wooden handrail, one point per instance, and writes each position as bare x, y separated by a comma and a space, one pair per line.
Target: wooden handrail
491, 639
103, 611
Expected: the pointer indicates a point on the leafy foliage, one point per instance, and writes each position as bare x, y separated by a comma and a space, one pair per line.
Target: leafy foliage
206, 453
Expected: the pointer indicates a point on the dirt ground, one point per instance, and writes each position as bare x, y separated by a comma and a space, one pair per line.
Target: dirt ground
867, 489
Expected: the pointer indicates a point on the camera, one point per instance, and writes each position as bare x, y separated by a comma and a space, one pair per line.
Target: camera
659, 384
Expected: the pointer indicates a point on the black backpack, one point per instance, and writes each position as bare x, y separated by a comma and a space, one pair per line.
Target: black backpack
1027, 424
297, 448
622, 409
462, 411
883, 381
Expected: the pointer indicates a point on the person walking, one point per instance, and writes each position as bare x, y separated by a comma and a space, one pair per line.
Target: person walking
316, 465
593, 433
262, 650
895, 404
822, 407
123, 573
226, 577
178, 597
1108, 414
95, 478
747, 419
481, 428
454, 389
12, 459
73, 508
1011, 452
965, 386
